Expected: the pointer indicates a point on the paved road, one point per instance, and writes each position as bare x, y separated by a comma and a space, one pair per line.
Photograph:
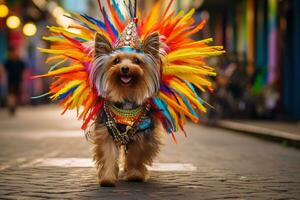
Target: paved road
44, 155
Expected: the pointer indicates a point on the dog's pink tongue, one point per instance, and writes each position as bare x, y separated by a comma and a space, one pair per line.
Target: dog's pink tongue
125, 79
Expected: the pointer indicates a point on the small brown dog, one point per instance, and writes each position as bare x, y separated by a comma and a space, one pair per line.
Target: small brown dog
126, 79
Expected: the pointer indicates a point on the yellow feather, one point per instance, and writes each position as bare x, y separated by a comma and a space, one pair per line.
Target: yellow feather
178, 16
84, 95
87, 107
55, 29
181, 69
74, 53
75, 96
55, 58
195, 79
200, 42
76, 67
188, 16
99, 30
189, 94
198, 49
174, 116
191, 54
66, 88
177, 107
52, 39
155, 12
200, 87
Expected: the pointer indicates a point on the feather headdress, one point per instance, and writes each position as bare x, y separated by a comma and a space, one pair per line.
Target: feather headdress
184, 71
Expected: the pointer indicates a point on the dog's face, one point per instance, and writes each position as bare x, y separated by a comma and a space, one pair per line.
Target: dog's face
126, 76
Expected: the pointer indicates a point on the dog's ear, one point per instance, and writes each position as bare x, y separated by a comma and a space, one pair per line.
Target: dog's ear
102, 45
151, 45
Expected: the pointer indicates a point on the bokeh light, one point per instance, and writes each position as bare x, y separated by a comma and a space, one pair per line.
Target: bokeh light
3, 11
29, 29
63, 20
58, 11
13, 22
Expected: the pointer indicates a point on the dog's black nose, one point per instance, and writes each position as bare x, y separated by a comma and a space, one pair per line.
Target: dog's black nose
125, 70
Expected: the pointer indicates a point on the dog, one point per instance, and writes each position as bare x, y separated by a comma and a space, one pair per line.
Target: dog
126, 80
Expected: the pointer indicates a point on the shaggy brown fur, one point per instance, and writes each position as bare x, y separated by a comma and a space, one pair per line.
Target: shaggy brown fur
122, 76
142, 71
118, 91
141, 152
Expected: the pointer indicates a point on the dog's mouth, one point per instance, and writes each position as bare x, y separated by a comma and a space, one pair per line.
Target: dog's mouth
126, 79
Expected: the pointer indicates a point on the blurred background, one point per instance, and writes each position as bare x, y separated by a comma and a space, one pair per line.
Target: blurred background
45, 156
258, 77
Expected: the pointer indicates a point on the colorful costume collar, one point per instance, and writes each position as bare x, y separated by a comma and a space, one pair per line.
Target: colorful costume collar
123, 124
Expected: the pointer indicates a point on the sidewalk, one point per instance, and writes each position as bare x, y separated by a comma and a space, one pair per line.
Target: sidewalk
45, 156
285, 132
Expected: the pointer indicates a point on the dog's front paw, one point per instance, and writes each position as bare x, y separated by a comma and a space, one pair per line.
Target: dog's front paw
135, 175
107, 183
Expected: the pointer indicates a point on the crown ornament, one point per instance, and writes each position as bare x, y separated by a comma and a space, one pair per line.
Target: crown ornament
129, 38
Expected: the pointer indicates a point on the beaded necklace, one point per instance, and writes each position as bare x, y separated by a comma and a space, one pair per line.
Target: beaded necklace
130, 118
125, 116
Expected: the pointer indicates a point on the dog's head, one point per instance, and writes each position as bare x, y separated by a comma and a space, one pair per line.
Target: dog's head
126, 75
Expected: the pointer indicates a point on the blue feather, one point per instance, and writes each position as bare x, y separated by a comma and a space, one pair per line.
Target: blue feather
80, 22
40, 96
187, 103
95, 21
62, 37
163, 107
117, 9
194, 91
169, 128
112, 27
64, 95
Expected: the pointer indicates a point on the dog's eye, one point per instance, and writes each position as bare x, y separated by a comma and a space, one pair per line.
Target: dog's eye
117, 61
136, 61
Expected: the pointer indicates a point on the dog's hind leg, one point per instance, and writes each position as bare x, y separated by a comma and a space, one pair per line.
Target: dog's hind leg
106, 155
141, 152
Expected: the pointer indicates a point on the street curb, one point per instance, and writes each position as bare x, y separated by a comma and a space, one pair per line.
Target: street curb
265, 133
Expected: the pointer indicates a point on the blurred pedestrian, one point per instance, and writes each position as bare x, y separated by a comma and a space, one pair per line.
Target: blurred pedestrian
14, 67
2, 85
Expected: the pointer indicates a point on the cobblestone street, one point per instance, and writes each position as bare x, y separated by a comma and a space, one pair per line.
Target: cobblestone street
44, 155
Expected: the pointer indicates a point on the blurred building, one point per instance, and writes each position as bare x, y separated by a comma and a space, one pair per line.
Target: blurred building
263, 34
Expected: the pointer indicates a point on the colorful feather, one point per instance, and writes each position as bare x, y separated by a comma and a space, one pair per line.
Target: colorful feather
117, 9
184, 71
